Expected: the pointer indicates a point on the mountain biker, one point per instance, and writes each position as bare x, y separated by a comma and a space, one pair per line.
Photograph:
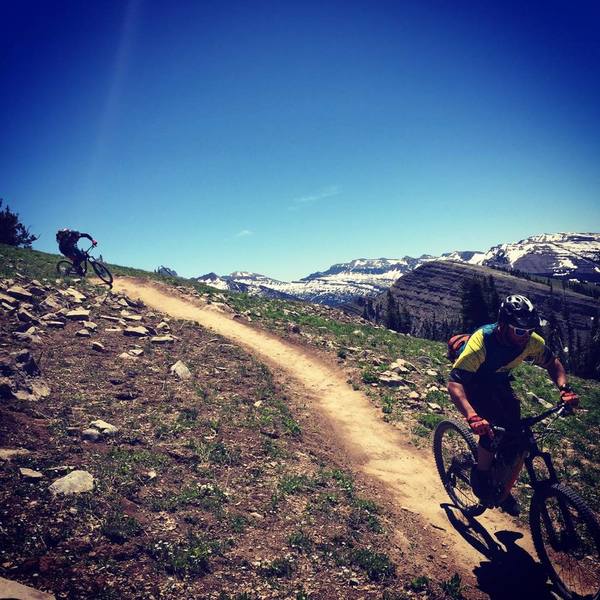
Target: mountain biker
480, 383
67, 243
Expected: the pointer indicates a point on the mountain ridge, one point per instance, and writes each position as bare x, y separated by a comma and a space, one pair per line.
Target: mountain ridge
563, 255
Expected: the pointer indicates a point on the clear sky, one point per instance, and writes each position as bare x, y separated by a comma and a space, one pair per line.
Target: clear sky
282, 137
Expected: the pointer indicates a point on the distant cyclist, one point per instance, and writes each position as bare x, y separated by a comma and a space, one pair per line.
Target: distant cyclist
67, 243
480, 384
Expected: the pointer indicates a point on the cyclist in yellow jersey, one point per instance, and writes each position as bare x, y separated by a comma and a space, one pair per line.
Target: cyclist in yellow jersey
480, 380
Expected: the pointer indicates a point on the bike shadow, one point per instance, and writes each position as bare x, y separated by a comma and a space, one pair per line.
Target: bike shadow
510, 572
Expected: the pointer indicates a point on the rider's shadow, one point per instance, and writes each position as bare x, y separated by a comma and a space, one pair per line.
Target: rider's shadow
510, 573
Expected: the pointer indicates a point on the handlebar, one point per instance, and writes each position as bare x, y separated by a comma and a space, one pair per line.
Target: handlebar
560, 409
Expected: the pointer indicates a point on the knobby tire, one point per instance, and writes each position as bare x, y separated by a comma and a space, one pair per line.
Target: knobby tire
102, 272
568, 546
456, 440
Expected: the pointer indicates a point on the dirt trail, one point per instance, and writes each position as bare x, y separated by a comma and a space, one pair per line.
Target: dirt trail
376, 449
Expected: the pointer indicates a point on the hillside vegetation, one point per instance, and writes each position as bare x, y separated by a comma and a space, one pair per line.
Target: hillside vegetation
214, 484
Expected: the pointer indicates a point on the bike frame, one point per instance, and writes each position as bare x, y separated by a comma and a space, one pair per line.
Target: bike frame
528, 452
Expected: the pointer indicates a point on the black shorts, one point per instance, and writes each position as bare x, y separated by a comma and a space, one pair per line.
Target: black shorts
496, 402
72, 252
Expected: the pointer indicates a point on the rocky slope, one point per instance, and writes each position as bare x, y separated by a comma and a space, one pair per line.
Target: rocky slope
433, 293
148, 458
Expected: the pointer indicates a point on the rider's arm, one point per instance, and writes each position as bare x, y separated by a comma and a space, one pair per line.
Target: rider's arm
459, 397
559, 376
86, 235
557, 372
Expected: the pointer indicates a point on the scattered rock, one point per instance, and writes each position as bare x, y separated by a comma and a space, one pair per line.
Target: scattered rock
90, 325
79, 314
9, 300
162, 326
51, 303
391, 380
109, 318
74, 483
435, 407
414, 395
18, 292
55, 324
136, 351
8, 453
136, 331
181, 370
431, 372
83, 333
104, 427
25, 361
36, 390
76, 295
30, 474
91, 435
26, 317
541, 401
162, 339
130, 317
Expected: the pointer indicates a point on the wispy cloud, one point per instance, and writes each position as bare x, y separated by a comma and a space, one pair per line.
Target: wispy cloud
305, 201
243, 233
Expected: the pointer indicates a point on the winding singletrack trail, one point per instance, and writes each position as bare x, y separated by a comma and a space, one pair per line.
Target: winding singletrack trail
375, 448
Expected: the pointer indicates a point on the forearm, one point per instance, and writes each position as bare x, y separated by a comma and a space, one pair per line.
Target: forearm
459, 398
557, 373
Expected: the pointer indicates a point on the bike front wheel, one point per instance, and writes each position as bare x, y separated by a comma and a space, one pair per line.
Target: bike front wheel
455, 452
566, 536
102, 272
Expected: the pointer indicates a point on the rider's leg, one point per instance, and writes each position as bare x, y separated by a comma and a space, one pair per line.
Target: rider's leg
78, 258
488, 398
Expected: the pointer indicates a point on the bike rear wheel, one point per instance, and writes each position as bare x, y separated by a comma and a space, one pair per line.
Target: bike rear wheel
455, 452
102, 272
566, 536
65, 268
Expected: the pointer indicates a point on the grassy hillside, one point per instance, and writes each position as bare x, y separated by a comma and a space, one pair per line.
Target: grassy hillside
218, 486
212, 486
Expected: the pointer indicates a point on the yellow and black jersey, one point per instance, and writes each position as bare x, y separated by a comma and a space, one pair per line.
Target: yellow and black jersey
485, 356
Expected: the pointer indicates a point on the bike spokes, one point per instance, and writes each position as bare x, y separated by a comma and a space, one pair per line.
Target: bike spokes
454, 452
571, 546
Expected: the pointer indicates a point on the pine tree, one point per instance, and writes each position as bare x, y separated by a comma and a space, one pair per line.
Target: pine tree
392, 313
12, 231
474, 306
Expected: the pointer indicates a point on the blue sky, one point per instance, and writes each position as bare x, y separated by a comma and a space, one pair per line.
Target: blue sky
282, 137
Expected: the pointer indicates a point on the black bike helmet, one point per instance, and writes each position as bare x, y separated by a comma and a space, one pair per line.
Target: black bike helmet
518, 311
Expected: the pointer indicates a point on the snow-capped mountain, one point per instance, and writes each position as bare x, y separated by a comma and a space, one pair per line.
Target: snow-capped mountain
565, 255
568, 255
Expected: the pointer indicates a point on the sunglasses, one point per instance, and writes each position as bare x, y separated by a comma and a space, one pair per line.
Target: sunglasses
520, 331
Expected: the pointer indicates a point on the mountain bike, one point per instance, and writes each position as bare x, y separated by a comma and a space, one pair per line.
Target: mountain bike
565, 532
65, 268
